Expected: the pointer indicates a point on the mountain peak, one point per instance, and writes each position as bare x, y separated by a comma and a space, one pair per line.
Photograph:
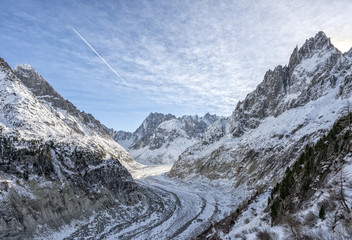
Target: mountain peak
158, 115
34, 81
320, 35
320, 42
25, 67
4, 65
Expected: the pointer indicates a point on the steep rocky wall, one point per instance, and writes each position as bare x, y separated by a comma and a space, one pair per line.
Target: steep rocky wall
51, 186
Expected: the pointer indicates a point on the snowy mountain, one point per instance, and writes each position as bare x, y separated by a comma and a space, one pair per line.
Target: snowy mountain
160, 139
57, 163
294, 105
127, 139
292, 108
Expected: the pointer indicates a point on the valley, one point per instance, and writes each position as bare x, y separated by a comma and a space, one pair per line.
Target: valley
171, 209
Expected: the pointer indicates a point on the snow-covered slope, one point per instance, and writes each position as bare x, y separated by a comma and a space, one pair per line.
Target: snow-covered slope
46, 115
161, 139
312, 201
294, 105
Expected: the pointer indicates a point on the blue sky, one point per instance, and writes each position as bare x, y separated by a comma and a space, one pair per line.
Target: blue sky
180, 57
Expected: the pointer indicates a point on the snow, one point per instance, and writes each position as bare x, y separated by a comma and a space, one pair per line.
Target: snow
255, 219
166, 154
311, 64
43, 233
171, 124
160, 141
25, 66
2, 75
126, 143
147, 171
291, 97
23, 190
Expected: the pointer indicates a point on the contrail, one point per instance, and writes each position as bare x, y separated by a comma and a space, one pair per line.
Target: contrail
107, 64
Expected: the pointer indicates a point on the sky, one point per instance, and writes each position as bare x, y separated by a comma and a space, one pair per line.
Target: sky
176, 56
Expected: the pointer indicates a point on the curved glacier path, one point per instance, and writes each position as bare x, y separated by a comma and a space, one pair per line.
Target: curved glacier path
171, 209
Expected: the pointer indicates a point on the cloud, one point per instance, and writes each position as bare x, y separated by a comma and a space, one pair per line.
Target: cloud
178, 56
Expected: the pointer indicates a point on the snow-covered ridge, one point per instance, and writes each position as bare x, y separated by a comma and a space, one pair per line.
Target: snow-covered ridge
39, 118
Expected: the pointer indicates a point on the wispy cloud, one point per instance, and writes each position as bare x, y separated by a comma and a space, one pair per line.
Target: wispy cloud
177, 56
104, 61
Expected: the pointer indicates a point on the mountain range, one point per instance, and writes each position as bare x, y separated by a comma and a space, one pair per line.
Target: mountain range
161, 138
284, 154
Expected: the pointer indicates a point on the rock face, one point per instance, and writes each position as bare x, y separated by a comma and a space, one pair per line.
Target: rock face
292, 106
56, 163
161, 138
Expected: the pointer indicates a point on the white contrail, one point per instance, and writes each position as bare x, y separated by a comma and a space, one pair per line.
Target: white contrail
107, 64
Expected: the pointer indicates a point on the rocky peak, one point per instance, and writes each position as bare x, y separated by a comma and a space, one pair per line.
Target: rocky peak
307, 77
292, 106
161, 138
195, 126
208, 115
34, 81
55, 174
211, 117
153, 120
6, 71
320, 42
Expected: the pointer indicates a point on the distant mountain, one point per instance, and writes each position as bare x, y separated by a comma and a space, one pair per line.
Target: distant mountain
160, 139
126, 139
56, 163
